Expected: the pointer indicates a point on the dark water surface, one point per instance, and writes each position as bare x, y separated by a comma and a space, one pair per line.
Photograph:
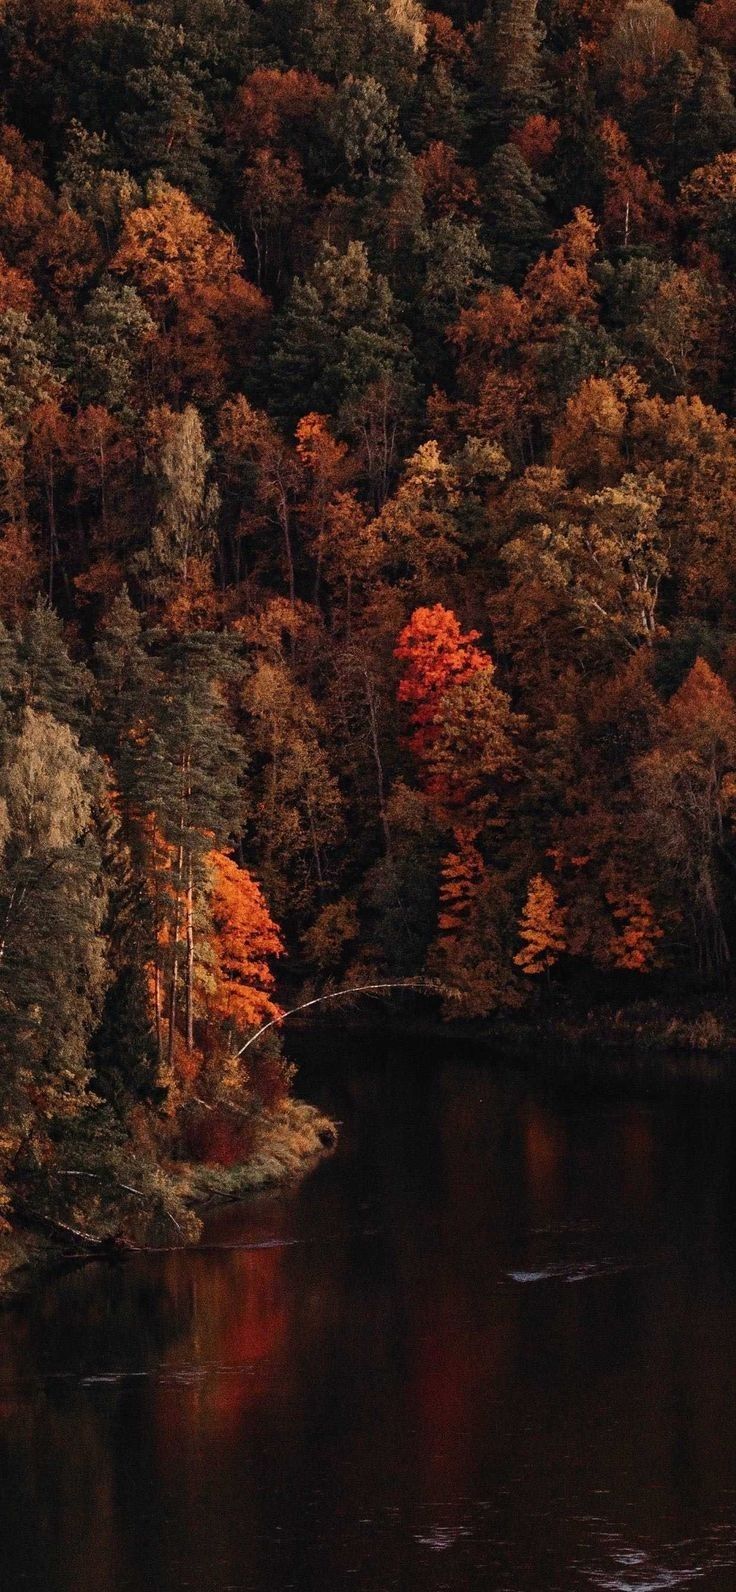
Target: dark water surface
491, 1345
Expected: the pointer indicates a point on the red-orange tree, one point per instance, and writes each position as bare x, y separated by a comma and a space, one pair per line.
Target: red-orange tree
245, 940
436, 655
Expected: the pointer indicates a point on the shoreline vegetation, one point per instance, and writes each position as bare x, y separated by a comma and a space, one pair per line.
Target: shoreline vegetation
101, 1210
648, 1026
641, 1037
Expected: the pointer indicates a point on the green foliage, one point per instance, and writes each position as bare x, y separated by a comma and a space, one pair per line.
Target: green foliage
514, 85
338, 335
52, 900
514, 204
48, 680
26, 371
110, 345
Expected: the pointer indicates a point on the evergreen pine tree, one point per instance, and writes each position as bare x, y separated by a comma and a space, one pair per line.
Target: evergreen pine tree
659, 122
512, 69
338, 334
127, 683
53, 969
708, 124
516, 218
196, 762
579, 155
49, 681
178, 767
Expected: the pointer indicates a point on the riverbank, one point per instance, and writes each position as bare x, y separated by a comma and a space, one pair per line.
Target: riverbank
108, 1206
639, 1039
648, 1026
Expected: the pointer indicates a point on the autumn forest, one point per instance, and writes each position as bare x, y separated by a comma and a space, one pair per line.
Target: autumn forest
367, 543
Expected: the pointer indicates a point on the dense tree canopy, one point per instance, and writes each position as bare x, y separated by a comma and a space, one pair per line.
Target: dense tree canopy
367, 490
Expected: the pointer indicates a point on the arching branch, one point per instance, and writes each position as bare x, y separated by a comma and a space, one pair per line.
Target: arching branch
333, 995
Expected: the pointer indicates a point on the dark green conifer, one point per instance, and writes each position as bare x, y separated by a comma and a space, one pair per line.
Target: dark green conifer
53, 967
660, 123
708, 122
338, 334
577, 174
515, 213
49, 680
514, 84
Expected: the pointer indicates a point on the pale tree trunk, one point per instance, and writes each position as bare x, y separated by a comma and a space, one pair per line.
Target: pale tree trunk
190, 957
284, 517
370, 697
157, 988
173, 992
315, 845
158, 1014
173, 989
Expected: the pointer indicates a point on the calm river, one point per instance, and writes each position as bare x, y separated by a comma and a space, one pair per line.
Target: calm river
490, 1346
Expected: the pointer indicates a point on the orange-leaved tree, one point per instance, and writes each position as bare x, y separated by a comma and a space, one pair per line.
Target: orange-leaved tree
683, 788
245, 940
634, 944
460, 884
436, 655
462, 723
541, 928
468, 958
190, 275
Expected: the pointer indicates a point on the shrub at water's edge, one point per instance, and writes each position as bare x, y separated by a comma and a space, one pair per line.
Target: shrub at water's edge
125, 1199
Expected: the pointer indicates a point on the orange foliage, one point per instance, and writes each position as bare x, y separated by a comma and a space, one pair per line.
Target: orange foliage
219, 1138
245, 938
634, 946
88, 14
541, 929
715, 21
321, 454
271, 105
588, 441
461, 880
101, 452
703, 713
448, 188
536, 139
494, 322
437, 655
445, 42
18, 572
59, 17
348, 542
635, 206
504, 338
17, 291
195, 602
190, 274
104, 579
70, 253
560, 284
